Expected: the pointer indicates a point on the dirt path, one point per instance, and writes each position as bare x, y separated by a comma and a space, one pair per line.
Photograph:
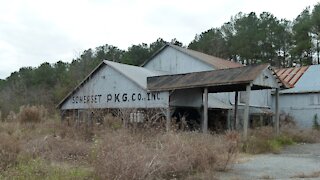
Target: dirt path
294, 162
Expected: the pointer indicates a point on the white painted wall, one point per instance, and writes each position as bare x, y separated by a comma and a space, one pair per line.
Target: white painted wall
175, 62
302, 107
110, 89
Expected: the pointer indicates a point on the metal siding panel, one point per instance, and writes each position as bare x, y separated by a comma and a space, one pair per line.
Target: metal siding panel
299, 107
267, 79
175, 62
110, 89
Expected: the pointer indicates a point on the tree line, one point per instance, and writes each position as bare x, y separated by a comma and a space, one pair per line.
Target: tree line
246, 38
251, 39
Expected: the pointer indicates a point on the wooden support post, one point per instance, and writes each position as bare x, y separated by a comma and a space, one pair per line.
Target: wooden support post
229, 126
246, 112
277, 116
205, 111
168, 119
235, 110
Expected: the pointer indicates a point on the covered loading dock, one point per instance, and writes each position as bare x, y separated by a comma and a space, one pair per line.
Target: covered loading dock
226, 80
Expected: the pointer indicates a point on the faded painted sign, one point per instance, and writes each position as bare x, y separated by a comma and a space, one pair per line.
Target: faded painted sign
110, 89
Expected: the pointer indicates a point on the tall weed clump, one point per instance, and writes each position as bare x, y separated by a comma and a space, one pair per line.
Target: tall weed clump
125, 155
31, 114
9, 151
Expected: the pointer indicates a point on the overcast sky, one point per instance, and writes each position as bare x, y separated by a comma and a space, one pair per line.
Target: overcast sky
35, 31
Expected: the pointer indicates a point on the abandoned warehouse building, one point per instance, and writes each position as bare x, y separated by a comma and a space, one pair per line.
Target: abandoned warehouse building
183, 85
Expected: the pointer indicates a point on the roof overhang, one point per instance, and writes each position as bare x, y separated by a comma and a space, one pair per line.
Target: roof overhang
225, 80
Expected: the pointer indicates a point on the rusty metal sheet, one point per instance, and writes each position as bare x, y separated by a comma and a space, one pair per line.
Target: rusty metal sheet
308, 82
291, 75
225, 77
298, 75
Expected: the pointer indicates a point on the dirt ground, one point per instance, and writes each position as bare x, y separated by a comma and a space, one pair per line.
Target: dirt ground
294, 162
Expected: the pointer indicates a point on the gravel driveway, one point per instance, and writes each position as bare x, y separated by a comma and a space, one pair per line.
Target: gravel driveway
294, 162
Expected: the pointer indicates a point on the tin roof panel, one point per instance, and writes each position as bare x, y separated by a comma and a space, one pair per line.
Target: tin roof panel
291, 75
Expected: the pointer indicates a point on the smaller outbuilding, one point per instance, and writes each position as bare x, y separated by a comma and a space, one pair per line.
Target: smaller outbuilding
302, 101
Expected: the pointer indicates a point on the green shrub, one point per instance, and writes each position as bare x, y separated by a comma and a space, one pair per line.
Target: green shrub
277, 143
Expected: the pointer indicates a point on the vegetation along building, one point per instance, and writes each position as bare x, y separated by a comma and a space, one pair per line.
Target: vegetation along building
185, 85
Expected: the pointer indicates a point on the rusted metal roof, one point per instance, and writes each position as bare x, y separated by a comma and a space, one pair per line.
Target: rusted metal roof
217, 63
225, 80
291, 75
305, 81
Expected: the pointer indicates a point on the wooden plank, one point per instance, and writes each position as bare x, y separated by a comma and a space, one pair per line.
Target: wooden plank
246, 112
205, 111
235, 110
277, 115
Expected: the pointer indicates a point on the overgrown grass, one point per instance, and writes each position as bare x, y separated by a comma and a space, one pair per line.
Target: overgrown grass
41, 169
263, 140
49, 149
31, 114
122, 155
